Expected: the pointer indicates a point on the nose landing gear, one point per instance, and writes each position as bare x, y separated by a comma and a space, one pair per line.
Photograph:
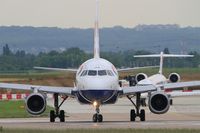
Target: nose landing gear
97, 117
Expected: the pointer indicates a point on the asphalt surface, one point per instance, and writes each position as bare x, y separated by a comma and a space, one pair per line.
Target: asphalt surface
185, 113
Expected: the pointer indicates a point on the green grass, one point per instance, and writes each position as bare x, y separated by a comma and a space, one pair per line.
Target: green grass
100, 131
16, 109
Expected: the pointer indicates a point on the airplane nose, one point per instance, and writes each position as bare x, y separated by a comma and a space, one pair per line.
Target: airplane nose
97, 83
98, 89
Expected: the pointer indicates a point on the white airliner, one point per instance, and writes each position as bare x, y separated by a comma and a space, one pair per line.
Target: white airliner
97, 84
159, 79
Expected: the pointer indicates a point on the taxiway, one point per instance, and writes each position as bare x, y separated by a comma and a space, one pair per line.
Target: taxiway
185, 113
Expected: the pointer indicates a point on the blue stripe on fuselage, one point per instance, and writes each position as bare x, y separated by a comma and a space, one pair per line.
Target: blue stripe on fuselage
97, 95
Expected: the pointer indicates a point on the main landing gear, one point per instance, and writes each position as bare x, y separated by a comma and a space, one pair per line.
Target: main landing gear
138, 113
57, 113
97, 117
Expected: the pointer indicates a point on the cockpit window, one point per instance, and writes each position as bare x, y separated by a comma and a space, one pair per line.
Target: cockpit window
110, 73
102, 72
84, 73
92, 72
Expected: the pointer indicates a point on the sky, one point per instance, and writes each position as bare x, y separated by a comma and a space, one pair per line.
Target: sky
81, 13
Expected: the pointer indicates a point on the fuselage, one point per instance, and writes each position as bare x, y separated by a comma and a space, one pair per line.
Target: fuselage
97, 80
156, 79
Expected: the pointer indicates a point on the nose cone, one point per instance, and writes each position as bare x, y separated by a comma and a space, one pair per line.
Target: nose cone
99, 83
98, 89
97, 95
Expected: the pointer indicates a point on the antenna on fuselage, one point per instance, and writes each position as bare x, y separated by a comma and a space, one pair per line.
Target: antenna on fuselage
96, 32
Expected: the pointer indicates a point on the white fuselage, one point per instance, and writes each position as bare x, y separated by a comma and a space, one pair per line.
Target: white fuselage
153, 80
97, 80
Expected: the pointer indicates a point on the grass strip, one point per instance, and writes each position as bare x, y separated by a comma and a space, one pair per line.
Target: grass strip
16, 109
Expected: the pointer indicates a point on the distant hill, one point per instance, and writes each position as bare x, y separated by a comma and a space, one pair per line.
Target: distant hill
142, 37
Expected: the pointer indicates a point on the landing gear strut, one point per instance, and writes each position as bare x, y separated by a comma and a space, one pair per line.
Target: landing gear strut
57, 113
138, 112
97, 117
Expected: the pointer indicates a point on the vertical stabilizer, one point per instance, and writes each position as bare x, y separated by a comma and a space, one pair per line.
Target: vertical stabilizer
161, 63
96, 32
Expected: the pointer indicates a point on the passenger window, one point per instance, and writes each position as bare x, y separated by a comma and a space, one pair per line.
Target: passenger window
102, 72
92, 73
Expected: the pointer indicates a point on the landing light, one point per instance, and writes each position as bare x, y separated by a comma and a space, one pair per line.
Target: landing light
95, 103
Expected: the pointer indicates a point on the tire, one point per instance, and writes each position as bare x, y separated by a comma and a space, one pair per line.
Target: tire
94, 118
142, 115
132, 115
143, 102
171, 102
62, 116
100, 118
52, 116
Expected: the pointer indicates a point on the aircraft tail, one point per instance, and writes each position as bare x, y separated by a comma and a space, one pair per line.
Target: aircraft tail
96, 32
162, 56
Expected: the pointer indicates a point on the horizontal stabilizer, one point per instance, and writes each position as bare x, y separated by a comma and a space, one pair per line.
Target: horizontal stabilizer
164, 55
161, 56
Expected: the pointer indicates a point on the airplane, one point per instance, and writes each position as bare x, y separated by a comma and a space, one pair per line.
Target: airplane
96, 84
159, 79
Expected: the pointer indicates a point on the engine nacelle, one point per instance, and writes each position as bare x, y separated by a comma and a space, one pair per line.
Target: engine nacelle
159, 103
140, 76
36, 103
174, 77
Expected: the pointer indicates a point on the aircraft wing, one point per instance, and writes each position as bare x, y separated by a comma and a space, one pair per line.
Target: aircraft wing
48, 89
134, 68
56, 69
138, 89
184, 93
180, 85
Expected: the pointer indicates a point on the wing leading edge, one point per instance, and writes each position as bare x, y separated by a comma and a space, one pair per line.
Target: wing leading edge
138, 89
180, 85
48, 89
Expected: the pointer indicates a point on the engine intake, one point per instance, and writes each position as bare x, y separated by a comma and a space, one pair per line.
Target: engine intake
140, 76
36, 103
174, 77
159, 103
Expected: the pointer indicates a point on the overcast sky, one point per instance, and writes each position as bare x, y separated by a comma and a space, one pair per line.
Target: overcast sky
80, 13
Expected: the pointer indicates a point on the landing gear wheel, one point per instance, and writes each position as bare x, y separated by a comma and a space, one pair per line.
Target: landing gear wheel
62, 116
143, 102
52, 116
95, 117
142, 115
100, 118
132, 115
171, 102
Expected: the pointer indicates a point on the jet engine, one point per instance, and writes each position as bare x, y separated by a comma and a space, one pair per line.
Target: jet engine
159, 103
140, 76
174, 77
36, 103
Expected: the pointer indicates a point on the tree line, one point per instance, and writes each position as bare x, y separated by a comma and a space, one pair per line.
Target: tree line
73, 57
